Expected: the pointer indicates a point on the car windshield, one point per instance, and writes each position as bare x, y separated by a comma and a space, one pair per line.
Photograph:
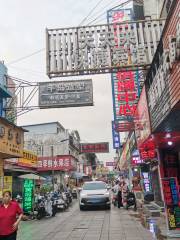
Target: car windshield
94, 186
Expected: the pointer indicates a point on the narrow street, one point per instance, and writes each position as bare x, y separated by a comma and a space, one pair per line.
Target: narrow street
116, 224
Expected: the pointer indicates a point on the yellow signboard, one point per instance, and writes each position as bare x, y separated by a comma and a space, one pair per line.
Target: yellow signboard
29, 159
7, 183
11, 139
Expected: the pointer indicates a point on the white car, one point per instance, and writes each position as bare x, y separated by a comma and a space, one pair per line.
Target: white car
94, 193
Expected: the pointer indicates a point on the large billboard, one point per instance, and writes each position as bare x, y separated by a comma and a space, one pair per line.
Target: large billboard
94, 49
102, 147
74, 93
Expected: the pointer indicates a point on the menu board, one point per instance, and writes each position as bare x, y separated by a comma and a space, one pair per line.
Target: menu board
172, 202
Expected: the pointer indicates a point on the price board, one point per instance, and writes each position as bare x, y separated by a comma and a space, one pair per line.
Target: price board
28, 195
172, 202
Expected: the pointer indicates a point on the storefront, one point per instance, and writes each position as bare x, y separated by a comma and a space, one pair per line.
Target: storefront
163, 91
11, 145
15, 167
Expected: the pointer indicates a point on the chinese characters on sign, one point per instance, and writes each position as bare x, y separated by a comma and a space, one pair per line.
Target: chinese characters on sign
125, 95
146, 181
136, 160
28, 195
93, 49
125, 85
95, 147
64, 163
110, 164
11, 140
29, 159
160, 91
148, 151
116, 137
172, 201
75, 93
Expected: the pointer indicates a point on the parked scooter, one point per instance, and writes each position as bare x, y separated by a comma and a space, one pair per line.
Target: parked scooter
46, 206
131, 201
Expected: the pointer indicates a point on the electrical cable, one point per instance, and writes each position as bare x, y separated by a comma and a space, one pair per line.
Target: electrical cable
106, 12
25, 57
92, 10
95, 14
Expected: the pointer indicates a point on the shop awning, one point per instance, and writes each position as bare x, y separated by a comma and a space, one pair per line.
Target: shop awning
78, 175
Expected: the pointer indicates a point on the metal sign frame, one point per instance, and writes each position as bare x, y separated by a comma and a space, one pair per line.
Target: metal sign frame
71, 93
92, 49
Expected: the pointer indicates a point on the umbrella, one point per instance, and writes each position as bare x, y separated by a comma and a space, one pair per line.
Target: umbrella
32, 176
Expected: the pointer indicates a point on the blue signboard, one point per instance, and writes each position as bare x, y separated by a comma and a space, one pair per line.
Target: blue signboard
116, 137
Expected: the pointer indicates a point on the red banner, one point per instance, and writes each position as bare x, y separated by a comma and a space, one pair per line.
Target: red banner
95, 147
63, 163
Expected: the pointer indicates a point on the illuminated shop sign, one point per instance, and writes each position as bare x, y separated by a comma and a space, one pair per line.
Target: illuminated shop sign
172, 202
116, 137
95, 147
28, 195
146, 181
148, 151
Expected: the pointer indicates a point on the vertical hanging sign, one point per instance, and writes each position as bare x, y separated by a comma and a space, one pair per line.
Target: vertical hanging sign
116, 137
125, 85
28, 195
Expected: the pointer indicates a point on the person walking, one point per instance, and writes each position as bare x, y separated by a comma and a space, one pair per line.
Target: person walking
119, 197
10, 217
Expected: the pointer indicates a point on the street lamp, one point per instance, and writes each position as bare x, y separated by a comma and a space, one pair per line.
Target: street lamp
52, 155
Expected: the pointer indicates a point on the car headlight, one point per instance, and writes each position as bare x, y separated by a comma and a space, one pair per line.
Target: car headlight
107, 194
83, 195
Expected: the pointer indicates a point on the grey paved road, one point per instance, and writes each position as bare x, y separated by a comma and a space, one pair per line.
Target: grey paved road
87, 225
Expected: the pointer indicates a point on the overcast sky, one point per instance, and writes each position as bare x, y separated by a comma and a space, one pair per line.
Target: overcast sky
22, 28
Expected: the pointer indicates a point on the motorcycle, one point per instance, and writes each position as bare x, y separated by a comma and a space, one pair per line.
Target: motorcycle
46, 207
60, 203
131, 201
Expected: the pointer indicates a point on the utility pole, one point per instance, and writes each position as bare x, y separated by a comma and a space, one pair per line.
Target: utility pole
52, 156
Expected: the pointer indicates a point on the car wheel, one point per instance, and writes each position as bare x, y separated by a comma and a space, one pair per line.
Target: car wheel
108, 207
81, 208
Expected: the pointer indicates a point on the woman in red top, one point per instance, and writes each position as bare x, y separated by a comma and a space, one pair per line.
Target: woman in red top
9, 210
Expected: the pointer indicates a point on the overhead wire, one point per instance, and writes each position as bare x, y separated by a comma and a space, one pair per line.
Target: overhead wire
91, 11
25, 57
120, 5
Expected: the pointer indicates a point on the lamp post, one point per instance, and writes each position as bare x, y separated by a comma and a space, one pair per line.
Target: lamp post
52, 156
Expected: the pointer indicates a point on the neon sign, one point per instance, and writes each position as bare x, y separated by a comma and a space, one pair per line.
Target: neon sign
28, 195
146, 181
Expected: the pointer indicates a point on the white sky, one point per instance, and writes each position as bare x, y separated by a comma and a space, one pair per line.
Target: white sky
22, 32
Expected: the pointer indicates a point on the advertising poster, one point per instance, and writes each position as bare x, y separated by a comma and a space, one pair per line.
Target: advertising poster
172, 203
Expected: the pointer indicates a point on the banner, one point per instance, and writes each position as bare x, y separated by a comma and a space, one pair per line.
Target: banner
102, 147
63, 163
